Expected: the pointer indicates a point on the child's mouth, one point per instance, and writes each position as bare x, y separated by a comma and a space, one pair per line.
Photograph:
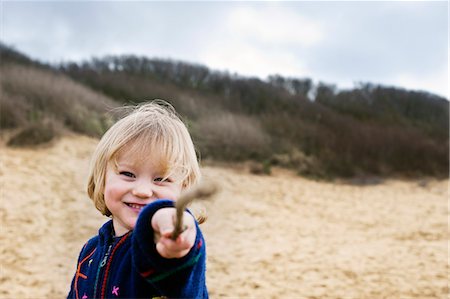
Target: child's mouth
135, 206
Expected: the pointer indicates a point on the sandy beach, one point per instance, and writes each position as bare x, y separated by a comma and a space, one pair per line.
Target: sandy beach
278, 236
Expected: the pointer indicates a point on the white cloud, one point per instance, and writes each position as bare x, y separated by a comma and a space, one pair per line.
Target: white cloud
257, 40
273, 25
247, 60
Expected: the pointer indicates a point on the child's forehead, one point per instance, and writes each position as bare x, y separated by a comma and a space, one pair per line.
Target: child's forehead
134, 156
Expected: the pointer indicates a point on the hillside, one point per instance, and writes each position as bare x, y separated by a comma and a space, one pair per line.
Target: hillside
317, 131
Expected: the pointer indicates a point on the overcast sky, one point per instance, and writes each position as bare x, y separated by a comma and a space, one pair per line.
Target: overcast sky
402, 44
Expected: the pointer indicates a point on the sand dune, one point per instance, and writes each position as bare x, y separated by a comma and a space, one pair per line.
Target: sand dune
279, 236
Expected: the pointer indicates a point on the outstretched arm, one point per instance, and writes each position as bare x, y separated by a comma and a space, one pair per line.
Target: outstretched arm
182, 277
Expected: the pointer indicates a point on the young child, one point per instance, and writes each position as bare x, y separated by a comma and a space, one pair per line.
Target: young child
139, 168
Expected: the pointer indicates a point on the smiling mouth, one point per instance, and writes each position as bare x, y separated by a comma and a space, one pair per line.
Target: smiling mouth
135, 206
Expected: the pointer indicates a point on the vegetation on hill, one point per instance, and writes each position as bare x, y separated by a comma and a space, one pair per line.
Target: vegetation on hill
41, 102
315, 129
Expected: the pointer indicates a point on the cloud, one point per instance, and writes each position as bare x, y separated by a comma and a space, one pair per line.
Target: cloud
400, 43
257, 40
248, 60
269, 25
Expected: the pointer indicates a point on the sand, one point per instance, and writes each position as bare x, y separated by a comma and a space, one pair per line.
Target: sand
278, 236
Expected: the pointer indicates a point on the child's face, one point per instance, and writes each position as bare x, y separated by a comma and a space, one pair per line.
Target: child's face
133, 184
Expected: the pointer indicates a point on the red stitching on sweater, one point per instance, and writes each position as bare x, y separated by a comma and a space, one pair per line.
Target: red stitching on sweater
108, 265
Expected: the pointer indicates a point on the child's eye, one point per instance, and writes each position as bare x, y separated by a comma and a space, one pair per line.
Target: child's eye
162, 180
127, 174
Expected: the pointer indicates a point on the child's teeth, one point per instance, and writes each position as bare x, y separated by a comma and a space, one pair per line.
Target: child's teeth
136, 206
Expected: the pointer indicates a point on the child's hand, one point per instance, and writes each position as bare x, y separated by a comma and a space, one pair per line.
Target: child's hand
163, 226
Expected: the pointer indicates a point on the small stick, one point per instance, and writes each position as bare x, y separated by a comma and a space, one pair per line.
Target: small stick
202, 191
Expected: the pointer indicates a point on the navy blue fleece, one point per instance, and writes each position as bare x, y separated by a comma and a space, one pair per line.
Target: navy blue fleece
130, 267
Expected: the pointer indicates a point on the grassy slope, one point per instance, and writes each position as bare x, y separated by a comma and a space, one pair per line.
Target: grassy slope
367, 131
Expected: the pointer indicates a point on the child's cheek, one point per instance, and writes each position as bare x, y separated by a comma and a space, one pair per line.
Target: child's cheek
112, 191
112, 187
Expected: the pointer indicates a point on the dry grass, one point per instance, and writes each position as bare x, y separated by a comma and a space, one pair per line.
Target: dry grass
31, 96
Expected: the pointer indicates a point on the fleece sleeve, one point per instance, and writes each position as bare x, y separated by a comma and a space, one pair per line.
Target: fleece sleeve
87, 247
183, 277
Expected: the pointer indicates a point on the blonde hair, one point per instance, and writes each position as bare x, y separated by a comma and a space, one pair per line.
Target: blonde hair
151, 128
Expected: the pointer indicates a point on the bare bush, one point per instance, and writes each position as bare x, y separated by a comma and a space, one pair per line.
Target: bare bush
13, 110
296, 159
263, 168
231, 136
35, 134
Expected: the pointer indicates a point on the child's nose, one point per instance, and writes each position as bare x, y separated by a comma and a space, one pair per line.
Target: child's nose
143, 190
